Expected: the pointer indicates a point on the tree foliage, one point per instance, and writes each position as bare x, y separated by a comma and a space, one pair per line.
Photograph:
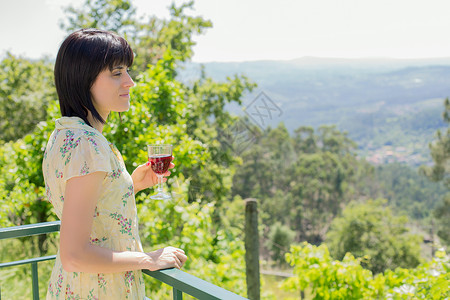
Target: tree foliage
312, 175
314, 269
407, 191
440, 172
369, 230
26, 89
190, 226
440, 152
150, 37
117, 16
280, 239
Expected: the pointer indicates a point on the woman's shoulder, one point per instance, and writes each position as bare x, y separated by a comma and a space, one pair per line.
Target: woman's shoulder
68, 141
93, 139
74, 128
79, 152
72, 135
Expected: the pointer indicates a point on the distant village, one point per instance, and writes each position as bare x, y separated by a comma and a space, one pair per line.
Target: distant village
391, 154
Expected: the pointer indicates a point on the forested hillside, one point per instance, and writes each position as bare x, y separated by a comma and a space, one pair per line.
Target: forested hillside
383, 104
304, 180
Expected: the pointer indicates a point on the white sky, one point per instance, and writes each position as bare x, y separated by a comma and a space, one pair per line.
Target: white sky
264, 29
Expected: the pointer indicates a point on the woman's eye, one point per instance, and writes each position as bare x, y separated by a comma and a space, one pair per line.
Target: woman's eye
119, 73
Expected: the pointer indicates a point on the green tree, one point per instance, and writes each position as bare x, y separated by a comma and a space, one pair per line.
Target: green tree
407, 191
190, 226
26, 89
325, 278
370, 231
150, 37
440, 171
442, 214
305, 141
305, 179
280, 239
118, 16
315, 269
321, 180
440, 152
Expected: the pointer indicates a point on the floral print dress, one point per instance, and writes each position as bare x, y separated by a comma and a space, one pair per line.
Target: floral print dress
76, 149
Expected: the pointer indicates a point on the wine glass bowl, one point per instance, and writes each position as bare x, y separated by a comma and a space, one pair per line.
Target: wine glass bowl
160, 156
160, 163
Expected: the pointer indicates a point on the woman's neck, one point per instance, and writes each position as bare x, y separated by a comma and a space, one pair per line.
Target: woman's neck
95, 123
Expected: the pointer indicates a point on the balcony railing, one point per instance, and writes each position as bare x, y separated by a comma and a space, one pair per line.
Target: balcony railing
180, 281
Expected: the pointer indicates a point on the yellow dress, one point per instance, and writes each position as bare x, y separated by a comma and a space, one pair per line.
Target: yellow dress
76, 149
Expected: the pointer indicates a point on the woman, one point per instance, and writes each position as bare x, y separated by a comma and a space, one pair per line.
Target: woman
100, 254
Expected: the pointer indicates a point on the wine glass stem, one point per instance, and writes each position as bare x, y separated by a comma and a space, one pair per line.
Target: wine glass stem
160, 184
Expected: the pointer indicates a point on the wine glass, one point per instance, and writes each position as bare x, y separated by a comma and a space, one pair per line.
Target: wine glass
160, 157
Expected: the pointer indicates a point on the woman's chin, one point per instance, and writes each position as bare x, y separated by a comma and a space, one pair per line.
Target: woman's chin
124, 108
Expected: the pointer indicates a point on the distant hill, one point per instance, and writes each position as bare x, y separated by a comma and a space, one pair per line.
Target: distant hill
385, 104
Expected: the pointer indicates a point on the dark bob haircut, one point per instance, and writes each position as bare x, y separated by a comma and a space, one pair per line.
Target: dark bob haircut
82, 56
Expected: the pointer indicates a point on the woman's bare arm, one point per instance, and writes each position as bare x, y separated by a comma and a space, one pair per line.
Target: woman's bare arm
79, 255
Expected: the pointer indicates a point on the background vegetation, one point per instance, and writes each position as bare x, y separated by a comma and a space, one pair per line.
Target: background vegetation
345, 228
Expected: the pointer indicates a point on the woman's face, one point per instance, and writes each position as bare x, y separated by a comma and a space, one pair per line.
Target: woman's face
111, 91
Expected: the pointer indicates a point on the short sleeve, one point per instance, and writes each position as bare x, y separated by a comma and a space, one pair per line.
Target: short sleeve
85, 155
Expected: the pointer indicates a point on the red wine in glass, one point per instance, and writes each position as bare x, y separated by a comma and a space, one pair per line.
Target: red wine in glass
160, 156
160, 163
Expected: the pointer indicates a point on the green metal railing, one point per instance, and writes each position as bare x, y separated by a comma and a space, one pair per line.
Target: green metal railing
180, 281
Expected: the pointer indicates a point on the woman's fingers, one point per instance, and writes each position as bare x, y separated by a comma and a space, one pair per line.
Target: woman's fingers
169, 257
171, 166
178, 263
182, 258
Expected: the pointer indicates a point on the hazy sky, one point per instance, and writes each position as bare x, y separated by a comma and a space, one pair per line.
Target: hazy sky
263, 29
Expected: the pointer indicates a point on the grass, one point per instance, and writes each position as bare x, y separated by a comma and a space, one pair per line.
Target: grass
271, 288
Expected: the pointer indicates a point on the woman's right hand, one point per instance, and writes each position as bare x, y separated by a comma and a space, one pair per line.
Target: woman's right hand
168, 257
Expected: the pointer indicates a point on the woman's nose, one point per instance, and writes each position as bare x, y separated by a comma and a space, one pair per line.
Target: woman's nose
129, 81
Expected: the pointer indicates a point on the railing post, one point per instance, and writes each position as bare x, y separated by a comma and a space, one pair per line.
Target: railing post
177, 294
35, 280
252, 249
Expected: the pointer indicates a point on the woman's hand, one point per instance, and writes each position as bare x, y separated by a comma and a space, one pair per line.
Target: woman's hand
169, 257
144, 177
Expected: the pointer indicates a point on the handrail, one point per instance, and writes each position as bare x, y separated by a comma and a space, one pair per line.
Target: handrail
29, 230
26, 261
192, 285
181, 282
